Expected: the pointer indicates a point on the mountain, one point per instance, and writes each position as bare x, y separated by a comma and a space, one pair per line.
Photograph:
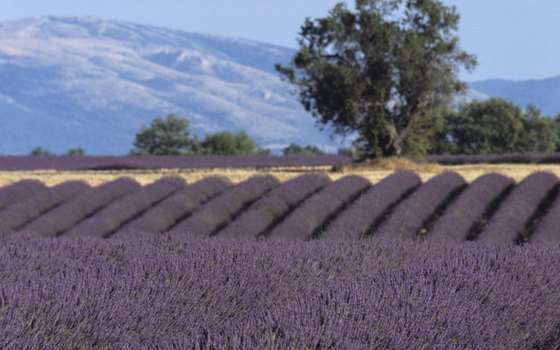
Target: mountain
91, 83
541, 93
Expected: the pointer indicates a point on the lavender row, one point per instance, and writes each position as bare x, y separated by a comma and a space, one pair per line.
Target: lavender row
175, 208
18, 191
157, 162
466, 213
362, 215
510, 221
65, 216
519, 158
20, 213
410, 218
219, 211
547, 231
274, 206
110, 218
162, 292
313, 215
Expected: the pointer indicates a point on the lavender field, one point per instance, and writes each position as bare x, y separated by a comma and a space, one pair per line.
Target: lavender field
309, 263
170, 292
310, 207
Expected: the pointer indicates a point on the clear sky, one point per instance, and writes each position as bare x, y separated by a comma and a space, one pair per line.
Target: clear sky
513, 39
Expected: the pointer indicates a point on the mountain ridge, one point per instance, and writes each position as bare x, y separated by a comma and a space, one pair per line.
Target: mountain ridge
75, 80
91, 83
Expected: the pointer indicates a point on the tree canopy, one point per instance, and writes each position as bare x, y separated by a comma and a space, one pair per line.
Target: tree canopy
227, 143
378, 70
169, 136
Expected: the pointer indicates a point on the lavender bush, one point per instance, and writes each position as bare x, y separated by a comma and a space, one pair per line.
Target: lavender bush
410, 217
547, 231
169, 293
510, 222
219, 211
362, 215
176, 208
112, 217
18, 191
274, 206
83, 205
466, 213
18, 214
310, 217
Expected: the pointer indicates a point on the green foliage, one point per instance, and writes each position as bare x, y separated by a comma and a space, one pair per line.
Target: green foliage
75, 152
227, 143
379, 70
297, 150
169, 136
40, 151
499, 126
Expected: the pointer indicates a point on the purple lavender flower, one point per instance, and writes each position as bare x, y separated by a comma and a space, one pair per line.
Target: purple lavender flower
509, 223
108, 220
274, 206
18, 214
219, 211
83, 205
467, 211
315, 213
410, 217
176, 208
363, 214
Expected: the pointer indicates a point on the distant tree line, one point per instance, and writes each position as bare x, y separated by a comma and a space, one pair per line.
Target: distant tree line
171, 136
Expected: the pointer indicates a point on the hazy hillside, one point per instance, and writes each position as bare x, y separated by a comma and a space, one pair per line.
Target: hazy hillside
541, 93
86, 82
91, 83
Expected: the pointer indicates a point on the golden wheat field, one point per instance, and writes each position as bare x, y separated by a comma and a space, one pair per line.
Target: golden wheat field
373, 172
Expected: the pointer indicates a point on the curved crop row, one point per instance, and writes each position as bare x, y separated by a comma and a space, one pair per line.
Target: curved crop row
409, 217
466, 212
313, 214
272, 207
548, 230
18, 191
85, 204
219, 211
110, 218
22, 212
510, 221
178, 206
362, 215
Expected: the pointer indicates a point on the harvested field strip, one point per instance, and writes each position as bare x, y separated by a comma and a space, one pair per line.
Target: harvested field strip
94, 178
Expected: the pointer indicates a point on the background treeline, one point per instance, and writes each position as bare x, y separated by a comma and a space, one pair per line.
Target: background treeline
492, 126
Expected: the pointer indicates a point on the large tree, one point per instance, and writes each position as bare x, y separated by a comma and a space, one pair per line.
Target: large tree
379, 69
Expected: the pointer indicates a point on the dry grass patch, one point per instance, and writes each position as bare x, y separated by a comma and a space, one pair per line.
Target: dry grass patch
374, 171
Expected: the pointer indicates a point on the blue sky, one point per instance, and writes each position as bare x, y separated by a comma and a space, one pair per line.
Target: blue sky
513, 39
